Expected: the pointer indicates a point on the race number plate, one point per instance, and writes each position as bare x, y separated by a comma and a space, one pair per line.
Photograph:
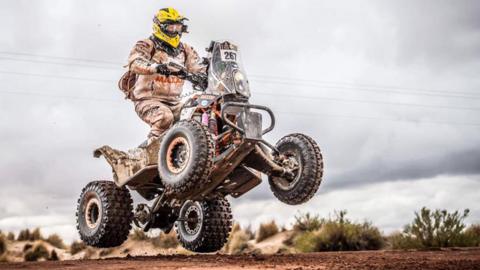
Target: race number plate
228, 55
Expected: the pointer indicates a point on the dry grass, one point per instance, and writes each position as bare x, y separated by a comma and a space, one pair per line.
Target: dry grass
165, 240
56, 241
138, 235
238, 242
76, 247
235, 228
266, 230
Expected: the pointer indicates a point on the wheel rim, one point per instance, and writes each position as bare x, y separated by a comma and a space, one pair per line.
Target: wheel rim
178, 154
191, 219
92, 213
291, 162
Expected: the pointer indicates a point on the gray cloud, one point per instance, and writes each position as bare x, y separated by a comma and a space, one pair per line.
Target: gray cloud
466, 162
441, 33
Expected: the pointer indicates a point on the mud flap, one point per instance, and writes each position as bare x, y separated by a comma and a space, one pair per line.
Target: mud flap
132, 167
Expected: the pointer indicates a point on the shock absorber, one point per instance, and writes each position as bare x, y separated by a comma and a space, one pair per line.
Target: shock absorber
212, 123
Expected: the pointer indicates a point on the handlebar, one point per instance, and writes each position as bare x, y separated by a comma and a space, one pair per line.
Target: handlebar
199, 81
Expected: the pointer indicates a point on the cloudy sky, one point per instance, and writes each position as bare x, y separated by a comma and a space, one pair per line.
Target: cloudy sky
389, 89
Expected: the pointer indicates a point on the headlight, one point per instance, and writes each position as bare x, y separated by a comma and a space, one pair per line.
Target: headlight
241, 83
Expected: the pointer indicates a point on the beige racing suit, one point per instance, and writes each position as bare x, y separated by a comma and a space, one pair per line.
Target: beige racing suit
157, 97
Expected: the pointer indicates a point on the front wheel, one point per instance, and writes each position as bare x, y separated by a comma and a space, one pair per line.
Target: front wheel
185, 158
300, 155
204, 226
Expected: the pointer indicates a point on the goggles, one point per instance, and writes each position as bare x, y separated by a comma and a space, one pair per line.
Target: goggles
172, 28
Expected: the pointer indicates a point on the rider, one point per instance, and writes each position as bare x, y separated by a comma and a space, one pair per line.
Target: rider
156, 93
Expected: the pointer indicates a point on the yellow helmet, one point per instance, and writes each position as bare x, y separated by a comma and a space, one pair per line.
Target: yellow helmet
168, 26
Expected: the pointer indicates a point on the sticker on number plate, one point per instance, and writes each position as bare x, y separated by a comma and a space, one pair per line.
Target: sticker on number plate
228, 55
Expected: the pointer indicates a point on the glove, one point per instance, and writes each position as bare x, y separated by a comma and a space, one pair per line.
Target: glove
182, 74
163, 69
199, 81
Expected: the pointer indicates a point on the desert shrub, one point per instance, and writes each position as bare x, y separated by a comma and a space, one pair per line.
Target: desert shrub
76, 247
11, 236
305, 242
304, 222
27, 247
472, 235
238, 242
340, 234
36, 235
138, 235
399, 240
307, 222
24, 235
53, 256
165, 240
434, 229
38, 252
3, 245
437, 228
266, 230
56, 241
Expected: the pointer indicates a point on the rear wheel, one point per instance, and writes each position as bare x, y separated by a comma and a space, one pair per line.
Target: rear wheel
185, 158
204, 226
300, 155
104, 214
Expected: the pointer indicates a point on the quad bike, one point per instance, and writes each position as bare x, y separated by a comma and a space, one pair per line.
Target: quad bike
216, 149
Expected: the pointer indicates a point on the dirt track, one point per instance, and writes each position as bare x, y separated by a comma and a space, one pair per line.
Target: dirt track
467, 259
